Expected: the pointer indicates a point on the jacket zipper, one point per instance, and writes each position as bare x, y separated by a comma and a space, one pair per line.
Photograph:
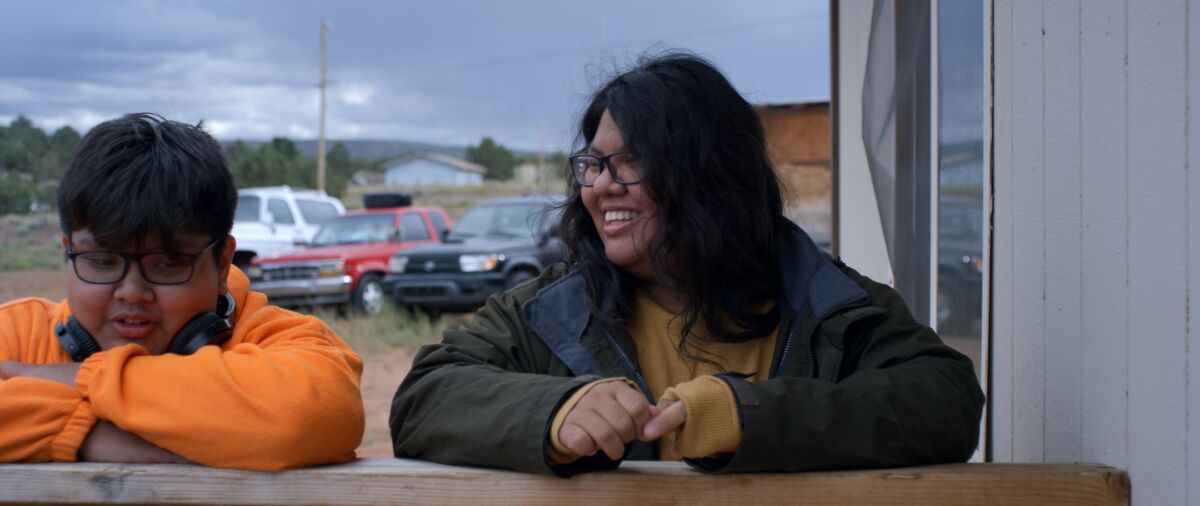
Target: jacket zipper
637, 374
787, 345
812, 346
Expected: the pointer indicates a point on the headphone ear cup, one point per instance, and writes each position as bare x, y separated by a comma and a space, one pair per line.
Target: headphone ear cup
76, 340
207, 328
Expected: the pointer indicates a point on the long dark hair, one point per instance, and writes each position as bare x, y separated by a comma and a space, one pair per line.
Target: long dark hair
703, 155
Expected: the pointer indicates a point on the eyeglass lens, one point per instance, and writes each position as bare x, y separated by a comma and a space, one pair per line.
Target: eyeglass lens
621, 167
158, 268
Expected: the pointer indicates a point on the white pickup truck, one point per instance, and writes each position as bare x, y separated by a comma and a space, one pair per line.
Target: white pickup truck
274, 220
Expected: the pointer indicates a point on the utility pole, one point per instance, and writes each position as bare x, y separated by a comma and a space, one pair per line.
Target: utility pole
540, 178
321, 133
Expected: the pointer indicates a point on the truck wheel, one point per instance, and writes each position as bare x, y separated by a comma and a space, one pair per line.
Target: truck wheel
369, 298
517, 278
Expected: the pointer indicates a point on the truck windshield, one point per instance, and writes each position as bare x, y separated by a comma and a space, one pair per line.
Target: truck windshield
247, 208
356, 229
503, 220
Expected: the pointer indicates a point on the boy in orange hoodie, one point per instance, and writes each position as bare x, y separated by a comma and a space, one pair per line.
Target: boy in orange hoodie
160, 353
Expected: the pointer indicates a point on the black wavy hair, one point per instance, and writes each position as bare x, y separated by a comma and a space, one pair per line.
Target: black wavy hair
141, 175
703, 154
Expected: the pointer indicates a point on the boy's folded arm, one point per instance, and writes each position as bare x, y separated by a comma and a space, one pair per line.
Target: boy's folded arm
283, 393
41, 420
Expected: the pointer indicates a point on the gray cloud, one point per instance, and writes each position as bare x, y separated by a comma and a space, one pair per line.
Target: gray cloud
443, 72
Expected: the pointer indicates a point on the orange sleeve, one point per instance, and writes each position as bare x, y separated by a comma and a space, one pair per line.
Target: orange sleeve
282, 393
40, 420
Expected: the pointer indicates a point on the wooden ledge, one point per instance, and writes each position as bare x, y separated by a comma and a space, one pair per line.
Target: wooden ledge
395, 481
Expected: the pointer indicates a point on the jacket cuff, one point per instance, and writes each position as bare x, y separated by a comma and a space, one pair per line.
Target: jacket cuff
712, 425
559, 453
65, 446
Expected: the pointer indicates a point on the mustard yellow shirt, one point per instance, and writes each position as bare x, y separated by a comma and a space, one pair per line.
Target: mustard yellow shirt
712, 425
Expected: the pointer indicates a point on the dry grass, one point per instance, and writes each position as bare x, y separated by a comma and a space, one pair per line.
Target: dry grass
394, 328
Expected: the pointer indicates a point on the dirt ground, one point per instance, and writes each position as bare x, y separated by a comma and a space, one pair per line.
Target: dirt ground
382, 373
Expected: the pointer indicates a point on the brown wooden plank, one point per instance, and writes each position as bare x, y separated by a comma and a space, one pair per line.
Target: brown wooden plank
392, 481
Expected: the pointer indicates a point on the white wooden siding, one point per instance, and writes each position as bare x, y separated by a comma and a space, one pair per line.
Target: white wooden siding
1193, 251
1000, 393
1063, 229
1097, 220
1105, 298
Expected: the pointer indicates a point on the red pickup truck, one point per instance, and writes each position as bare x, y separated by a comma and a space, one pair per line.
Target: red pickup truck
347, 259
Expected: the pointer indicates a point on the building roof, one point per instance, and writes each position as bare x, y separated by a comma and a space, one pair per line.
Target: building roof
456, 163
796, 104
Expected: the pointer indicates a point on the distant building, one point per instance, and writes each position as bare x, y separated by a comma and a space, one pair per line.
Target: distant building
433, 169
798, 143
526, 173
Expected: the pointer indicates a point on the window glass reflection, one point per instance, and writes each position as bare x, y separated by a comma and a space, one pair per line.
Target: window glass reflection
960, 175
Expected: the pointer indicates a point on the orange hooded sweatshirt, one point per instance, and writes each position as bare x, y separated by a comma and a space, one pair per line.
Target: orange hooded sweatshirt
282, 393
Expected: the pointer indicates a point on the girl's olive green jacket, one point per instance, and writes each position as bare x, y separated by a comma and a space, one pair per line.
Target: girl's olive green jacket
855, 382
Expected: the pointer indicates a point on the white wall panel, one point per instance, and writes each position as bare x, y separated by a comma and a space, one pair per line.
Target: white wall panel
1063, 208
1157, 267
1029, 233
1096, 215
1104, 254
1193, 252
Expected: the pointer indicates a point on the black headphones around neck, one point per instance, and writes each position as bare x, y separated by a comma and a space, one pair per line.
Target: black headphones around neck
205, 328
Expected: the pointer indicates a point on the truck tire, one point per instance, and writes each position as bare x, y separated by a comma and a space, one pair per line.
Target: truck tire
369, 297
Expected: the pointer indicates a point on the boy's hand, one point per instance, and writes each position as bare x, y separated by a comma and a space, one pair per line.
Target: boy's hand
62, 373
109, 443
606, 417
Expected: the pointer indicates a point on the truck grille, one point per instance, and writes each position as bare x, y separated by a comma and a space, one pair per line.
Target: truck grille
423, 290
419, 264
288, 272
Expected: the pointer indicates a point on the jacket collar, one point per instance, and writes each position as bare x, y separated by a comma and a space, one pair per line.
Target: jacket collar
809, 277
559, 312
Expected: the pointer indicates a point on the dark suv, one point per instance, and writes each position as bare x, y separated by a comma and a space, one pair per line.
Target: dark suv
496, 245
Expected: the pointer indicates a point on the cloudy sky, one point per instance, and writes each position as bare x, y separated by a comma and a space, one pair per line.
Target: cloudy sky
445, 72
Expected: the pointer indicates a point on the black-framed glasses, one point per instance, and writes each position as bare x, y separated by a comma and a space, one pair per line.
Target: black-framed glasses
622, 168
158, 267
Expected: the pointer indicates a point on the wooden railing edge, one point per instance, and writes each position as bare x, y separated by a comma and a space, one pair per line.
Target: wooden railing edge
396, 481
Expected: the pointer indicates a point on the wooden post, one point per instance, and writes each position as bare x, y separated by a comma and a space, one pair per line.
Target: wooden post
321, 128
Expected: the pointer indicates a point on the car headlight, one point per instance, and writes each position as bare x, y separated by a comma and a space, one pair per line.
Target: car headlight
254, 272
479, 263
397, 263
332, 270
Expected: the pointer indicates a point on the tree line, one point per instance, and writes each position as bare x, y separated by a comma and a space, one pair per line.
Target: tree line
32, 161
